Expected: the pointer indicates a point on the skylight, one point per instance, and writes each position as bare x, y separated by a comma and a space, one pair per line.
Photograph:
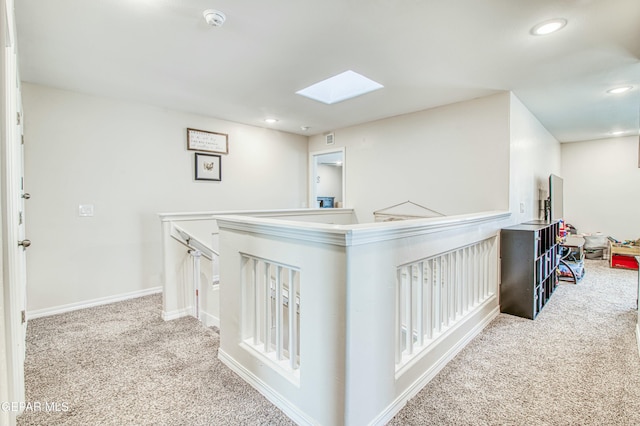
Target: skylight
346, 85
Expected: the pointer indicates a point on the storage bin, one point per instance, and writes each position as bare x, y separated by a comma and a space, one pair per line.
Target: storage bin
594, 253
625, 262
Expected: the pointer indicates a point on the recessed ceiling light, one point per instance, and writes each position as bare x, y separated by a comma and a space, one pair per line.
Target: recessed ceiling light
548, 27
270, 120
346, 85
621, 89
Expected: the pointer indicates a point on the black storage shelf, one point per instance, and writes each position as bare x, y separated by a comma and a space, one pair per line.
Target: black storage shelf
529, 255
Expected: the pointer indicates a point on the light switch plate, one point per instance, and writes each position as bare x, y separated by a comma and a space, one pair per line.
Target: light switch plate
85, 210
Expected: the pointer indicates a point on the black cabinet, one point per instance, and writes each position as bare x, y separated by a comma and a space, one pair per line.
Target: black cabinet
529, 255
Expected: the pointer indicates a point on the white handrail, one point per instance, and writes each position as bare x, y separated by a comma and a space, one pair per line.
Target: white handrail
182, 236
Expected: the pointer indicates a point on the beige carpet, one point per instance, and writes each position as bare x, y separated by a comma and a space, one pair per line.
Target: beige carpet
120, 364
577, 363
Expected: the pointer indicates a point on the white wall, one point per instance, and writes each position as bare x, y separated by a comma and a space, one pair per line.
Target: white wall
453, 159
535, 154
601, 186
130, 161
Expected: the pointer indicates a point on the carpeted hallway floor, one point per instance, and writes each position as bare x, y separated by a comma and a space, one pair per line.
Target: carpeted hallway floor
576, 364
120, 364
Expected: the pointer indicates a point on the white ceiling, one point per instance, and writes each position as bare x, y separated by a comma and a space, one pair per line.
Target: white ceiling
425, 52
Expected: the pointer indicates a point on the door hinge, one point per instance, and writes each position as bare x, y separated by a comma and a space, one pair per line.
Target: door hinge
18, 118
19, 218
23, 316
22, 139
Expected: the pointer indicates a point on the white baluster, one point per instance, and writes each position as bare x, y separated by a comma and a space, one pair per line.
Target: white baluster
267, 307
408, 313
474, 258
467, 279
256, 301
398, 325
452, 287
429, 304
195, 256
437, 297
279, 313
420, 314
459, 284
445, 290
293, 333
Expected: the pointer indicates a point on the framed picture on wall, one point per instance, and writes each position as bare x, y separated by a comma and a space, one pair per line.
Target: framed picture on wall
201, 140
208, 167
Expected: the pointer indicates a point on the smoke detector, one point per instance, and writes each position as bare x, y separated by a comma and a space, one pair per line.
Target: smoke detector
215, 18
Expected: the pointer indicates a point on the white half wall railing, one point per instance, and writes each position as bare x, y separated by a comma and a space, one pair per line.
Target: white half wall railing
435, 294
272, 301
380, 308
182, 270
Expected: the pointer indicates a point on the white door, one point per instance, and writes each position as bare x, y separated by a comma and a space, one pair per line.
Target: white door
23, 243
13, 223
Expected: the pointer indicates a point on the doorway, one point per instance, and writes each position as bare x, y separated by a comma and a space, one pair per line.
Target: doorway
327, 179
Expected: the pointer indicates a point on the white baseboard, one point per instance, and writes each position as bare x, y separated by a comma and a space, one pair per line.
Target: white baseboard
290, 410
638, 336
54, 310
209, 320
178, 313
402, 399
